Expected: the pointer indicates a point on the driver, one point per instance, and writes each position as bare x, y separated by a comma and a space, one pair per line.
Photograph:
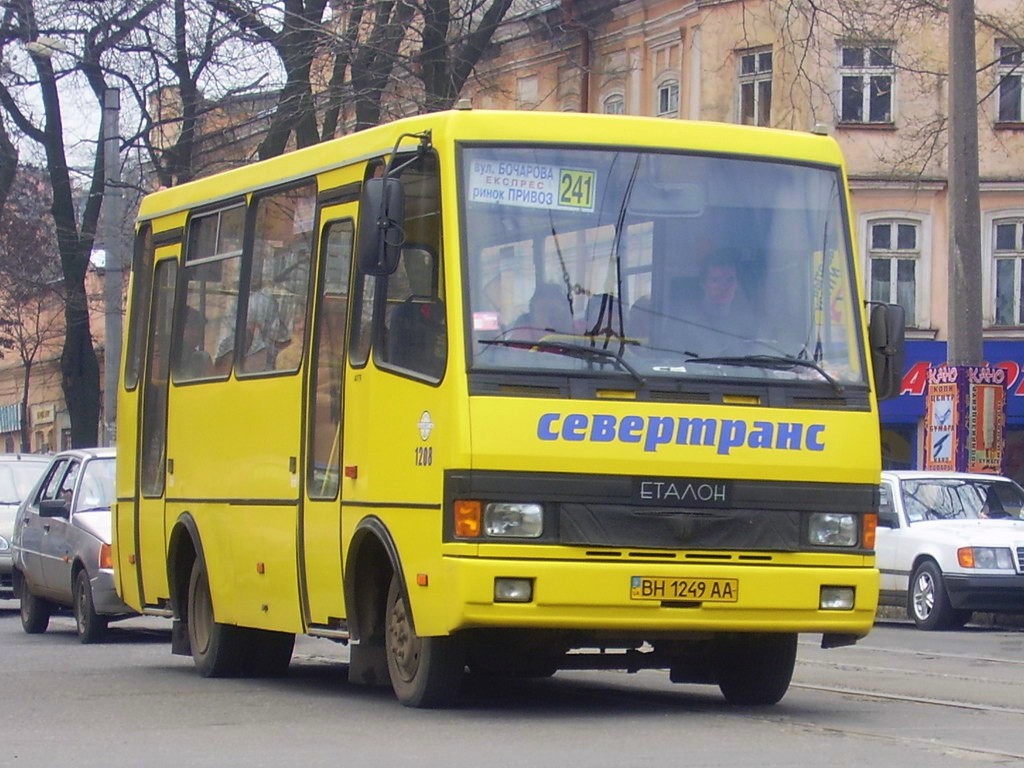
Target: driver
721, 317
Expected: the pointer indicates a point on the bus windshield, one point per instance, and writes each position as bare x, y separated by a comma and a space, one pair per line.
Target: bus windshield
657, 264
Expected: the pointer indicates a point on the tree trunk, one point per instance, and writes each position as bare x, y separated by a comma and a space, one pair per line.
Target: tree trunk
26, 442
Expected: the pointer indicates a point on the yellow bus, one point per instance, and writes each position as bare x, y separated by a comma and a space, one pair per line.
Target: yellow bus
503, 393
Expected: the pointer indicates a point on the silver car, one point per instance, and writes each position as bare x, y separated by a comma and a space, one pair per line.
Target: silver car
62, 537
18, 473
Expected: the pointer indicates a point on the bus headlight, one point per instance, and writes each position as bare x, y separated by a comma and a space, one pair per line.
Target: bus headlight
832, 529
513, 520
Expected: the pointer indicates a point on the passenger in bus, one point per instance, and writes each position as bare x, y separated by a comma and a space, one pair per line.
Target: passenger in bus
195, 362
550, 312
265, 331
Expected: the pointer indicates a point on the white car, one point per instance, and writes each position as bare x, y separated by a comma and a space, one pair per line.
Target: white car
949, 544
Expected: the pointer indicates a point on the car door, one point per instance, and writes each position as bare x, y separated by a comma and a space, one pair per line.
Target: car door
56, 549
29, 536
887, 538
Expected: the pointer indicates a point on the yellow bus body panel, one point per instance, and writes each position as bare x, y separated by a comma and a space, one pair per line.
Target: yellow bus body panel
235, 444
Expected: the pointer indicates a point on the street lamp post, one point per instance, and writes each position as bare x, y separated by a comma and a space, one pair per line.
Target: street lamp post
113, 269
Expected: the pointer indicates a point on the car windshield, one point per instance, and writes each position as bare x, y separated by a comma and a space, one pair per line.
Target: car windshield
17, 479
97, 488
961, 499
675, 265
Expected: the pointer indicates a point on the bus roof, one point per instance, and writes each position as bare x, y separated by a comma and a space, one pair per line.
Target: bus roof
579, 129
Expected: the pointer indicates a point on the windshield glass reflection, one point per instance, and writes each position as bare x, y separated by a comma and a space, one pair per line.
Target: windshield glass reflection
674, 265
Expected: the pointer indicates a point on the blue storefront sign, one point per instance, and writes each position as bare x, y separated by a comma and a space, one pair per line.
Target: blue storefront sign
909, 406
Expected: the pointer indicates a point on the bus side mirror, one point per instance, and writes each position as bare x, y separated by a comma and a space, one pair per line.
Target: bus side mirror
886, 337
381, 213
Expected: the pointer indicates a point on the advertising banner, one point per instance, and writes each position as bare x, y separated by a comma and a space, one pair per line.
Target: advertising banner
965, 418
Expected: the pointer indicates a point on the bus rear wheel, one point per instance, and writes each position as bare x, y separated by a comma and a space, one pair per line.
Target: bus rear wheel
755, 669
425, 672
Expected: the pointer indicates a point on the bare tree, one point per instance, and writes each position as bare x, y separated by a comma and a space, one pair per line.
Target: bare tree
88, 31
31, 301
363, 61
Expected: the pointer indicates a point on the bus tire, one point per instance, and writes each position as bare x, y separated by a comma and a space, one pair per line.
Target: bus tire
755, 669
425, 672
91, 627
217, 649
35, 612
267, 653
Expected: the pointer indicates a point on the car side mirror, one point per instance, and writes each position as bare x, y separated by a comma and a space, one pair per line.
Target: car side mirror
888, 520
54, 508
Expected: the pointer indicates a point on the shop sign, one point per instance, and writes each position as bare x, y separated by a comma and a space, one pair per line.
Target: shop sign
43, 414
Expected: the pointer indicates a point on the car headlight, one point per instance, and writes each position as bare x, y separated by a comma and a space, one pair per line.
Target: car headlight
5, 545
832, 529
513, 520
985, 557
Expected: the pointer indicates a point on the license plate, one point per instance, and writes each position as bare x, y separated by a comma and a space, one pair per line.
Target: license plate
692, 589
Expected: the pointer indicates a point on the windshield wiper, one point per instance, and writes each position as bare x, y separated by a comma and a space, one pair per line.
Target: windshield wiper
580, 351
770, 362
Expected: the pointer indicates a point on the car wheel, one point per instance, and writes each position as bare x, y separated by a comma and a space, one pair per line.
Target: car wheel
92, 627
425, 671
35, 611
928, 603
755, 669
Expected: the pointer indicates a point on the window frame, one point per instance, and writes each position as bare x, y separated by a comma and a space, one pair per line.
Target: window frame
617, 97
754, 79
666, 85
922, 276
866, 72
991, 220
1008, 72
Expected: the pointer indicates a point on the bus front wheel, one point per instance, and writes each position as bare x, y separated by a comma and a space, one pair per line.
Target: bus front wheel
425, 671
755, 669
216, 648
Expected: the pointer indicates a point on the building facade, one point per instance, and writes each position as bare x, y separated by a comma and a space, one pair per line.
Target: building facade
874, 76
44, 411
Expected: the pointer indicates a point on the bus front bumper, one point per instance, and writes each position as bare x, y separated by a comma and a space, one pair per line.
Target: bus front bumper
656, 597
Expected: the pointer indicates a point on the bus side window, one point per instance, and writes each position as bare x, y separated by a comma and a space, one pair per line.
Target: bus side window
327, 363
415, 334
275, 315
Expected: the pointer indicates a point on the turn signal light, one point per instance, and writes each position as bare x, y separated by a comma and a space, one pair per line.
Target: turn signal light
106, 558
467, 519
869, 525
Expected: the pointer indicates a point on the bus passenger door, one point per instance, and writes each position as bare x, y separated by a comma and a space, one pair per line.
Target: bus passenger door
150, 544
321, 512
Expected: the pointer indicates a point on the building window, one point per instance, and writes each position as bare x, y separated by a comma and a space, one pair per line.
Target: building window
867, 74
1011, 73
755, 81
668, 99
614, 105
1008, 254
894, 255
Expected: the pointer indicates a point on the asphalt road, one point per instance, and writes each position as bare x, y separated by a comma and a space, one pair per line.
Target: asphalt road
900, 697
